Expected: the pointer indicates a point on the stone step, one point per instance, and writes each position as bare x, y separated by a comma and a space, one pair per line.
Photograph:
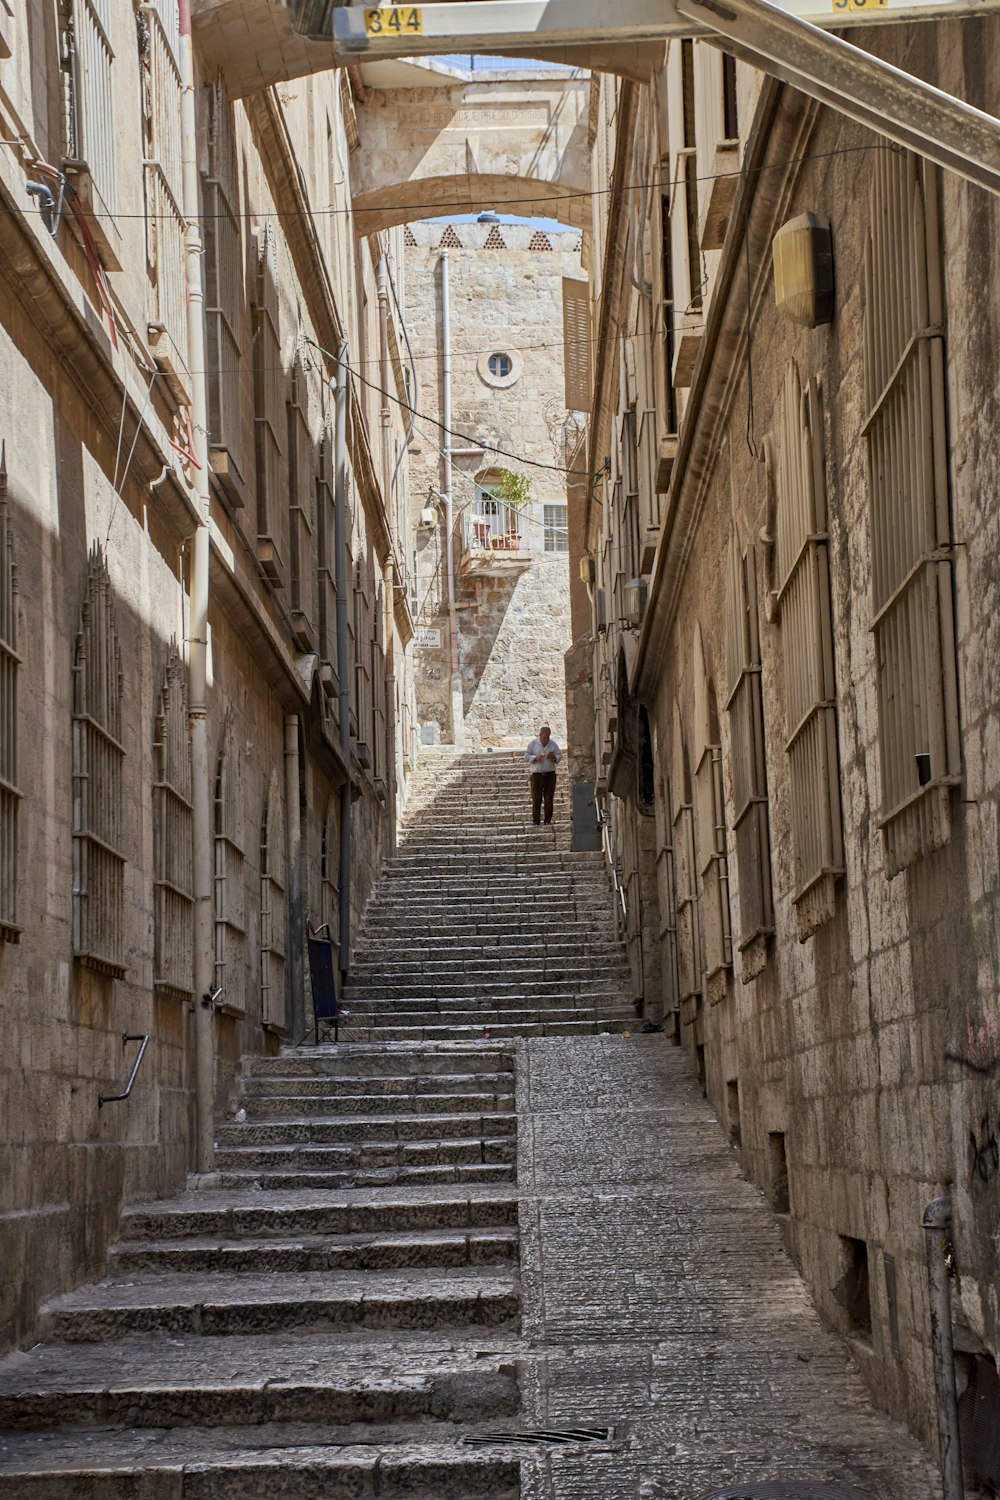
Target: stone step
371, 1006
495, 1029
364, 1211
333, 1061
397, 926
281, 1178
366, 1104
465, 950
212, 1381
271, 1085
364, 1130
366, 1156
349, 1252
201, 1303
124, 1465
525, 962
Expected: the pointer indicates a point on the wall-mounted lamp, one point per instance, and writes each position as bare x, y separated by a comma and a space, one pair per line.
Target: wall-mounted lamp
802, 254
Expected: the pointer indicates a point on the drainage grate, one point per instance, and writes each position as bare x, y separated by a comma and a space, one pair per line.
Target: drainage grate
800, 1489
541, 1436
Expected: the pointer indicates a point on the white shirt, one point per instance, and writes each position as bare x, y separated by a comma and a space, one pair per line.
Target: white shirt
537, 748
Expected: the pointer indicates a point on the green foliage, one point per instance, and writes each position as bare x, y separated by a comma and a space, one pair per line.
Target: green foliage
513, 489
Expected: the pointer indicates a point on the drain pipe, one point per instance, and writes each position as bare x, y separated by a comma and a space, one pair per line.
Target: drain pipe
457, 708
940, 1269
293, 864
202, 853
389, 571
343, 666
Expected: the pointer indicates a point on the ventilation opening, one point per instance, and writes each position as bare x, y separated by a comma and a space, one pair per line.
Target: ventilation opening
541, 1436
777, 1172
852, 1290
699, 1057
733, 1111
979, 1418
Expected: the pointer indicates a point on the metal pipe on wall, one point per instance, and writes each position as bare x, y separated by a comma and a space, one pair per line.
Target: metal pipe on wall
455, 681
937, 1234
296, 1019
201, 800
343, 665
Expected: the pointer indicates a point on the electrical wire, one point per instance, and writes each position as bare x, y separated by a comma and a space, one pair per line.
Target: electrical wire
466, 437
119, 485
463, 205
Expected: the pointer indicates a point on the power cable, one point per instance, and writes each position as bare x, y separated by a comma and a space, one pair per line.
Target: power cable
473, 442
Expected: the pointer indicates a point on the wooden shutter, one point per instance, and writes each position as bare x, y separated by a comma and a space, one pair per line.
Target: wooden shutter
576, 345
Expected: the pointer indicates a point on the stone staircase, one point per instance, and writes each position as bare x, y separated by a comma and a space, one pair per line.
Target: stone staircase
483, 923
336, 1311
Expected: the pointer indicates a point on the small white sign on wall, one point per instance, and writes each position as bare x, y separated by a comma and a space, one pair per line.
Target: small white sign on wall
426, 639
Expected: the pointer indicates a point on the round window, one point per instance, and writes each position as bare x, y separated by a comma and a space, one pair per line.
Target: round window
500, 365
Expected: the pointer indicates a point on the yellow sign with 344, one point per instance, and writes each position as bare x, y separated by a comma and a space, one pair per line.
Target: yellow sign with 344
855, 5
394, 20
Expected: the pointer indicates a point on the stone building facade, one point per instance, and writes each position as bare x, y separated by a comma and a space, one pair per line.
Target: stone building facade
98, 519
508, 392
795, 674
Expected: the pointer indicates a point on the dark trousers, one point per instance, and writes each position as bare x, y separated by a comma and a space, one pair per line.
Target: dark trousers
543, 788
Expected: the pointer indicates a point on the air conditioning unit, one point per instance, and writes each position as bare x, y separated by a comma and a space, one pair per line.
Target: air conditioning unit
600, 611
428, 518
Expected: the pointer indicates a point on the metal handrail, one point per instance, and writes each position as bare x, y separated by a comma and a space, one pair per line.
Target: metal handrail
127, 1036
614, 863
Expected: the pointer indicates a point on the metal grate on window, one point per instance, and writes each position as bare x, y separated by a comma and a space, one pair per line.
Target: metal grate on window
302, 501
223, 281
689, 950
92, 116
710, 830
326, 523
911, 545
10, 663
230, 896
98, 766
173, 837
745, 706
273, 916
270, 419
802, 604
165, 225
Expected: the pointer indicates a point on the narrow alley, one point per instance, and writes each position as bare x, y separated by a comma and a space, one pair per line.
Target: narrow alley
493, 1243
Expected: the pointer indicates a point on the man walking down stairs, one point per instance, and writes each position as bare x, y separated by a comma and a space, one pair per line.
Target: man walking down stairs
491, 1244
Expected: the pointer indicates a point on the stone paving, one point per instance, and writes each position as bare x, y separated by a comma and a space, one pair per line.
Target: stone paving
657, 1299
341, 1312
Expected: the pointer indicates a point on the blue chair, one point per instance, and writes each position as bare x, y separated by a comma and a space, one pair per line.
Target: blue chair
326, 1007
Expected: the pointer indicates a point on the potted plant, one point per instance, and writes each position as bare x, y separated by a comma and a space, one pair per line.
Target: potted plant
513, 491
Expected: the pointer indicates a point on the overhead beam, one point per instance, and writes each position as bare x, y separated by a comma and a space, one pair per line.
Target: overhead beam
832, 70
495, 25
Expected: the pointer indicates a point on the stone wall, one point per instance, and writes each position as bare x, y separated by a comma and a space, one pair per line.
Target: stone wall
513, 620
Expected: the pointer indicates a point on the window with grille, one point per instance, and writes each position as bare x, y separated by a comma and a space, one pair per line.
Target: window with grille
223, 281
802, 605
689, 951
230, 896
326, 534
362, 662
173, 831
270, 417
98, 769
329, 871
630, 497
666, 890
302, 501
165, 225
273, 918
378, 686
10, 662
911, 543
745, 706
555, 522
91, 113
710, 832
